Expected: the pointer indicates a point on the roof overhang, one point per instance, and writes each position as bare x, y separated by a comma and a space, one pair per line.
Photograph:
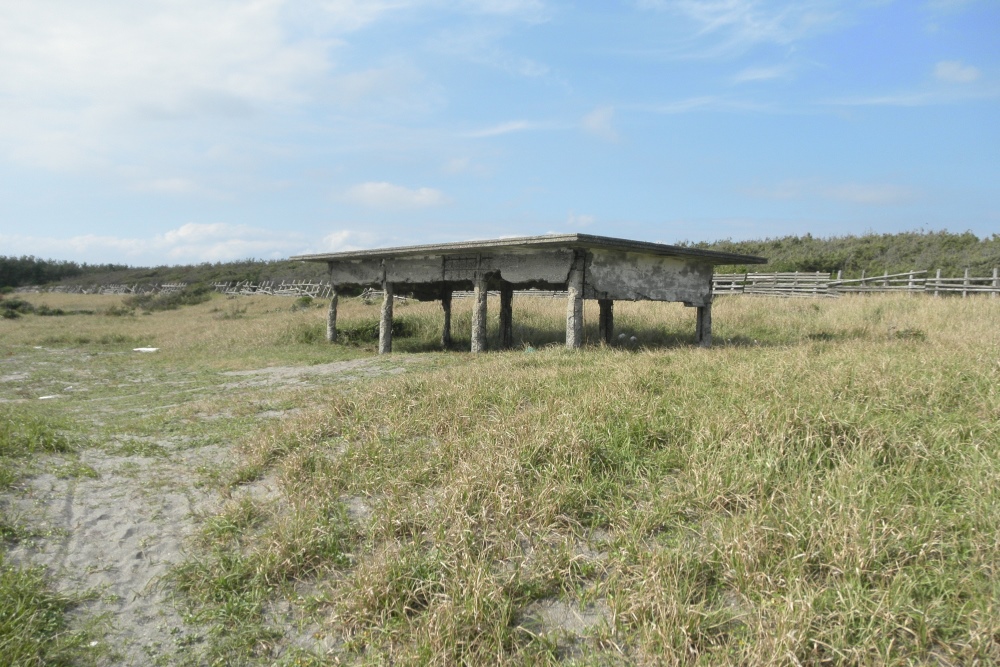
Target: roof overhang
582, 241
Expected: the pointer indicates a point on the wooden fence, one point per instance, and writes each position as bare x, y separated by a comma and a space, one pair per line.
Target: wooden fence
284, 288
790, 284
825, 285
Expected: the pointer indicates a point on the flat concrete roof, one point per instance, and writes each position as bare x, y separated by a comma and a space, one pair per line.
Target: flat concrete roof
547, 241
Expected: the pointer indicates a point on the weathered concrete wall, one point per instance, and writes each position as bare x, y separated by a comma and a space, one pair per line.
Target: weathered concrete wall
630, 276
551, 266
608, 274
356, 272
414, 269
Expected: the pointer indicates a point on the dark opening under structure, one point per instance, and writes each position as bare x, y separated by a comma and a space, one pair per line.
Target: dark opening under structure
587, 267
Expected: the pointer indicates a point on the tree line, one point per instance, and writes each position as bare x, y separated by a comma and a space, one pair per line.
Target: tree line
871, 253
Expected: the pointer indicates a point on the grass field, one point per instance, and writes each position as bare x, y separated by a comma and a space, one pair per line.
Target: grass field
821, 487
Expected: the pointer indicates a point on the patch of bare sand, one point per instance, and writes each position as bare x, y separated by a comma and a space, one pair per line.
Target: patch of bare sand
116, 536
298, 375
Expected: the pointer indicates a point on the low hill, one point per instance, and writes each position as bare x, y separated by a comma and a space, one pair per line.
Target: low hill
872, 253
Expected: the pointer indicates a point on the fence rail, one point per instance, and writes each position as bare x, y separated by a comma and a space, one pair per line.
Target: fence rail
784, 284
825, 285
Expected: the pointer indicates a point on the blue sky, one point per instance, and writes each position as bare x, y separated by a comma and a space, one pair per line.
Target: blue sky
177, 131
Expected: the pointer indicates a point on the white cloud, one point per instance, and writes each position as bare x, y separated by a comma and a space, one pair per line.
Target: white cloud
752, 74
394, 86
384, 195
579, 220
344, 240
457, 165
171, 186
869, 194
464, 165
599, 123
77, 76
953, 71
727, 27
503, 128
527, 10
189, 243
482, 47
951, 95
703, 103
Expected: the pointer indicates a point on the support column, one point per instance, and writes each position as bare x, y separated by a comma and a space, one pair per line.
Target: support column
606, 325
331, 317
574, 304
506, 316
703, 328
446, 307
385, 323
479, 314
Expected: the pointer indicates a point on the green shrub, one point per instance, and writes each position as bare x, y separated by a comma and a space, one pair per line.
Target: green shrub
189, 296
14, 307
366, 331
47, 311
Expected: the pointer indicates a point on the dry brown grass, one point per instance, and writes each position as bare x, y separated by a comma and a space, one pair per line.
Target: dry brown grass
819, 489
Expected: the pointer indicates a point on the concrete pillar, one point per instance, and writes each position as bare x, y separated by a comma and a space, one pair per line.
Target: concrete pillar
703, 327
446, 307
607, 320
479, 314
331, 317
506, 316
574, 304
385, 323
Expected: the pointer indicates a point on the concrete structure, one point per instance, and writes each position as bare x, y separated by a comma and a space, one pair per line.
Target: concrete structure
587, 267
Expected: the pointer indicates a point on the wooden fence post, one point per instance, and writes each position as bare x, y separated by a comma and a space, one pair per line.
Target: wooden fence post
996, 283
965, 284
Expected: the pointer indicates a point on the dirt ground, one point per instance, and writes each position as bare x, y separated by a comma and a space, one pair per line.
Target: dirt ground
110, 520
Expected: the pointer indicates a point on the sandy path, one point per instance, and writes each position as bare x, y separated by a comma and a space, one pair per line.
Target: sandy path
116, 536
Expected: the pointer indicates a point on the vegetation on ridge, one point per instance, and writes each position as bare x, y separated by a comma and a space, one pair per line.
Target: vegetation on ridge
873, 253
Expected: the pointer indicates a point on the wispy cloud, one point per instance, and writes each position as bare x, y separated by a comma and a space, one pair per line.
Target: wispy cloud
382, 195
730, 27
344, 240
870, 194
754, 74
919, 98
482, 46
599, 123
503, 128
954, 71
942, 90
191, 242
170, 186
702, 103
579, 220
